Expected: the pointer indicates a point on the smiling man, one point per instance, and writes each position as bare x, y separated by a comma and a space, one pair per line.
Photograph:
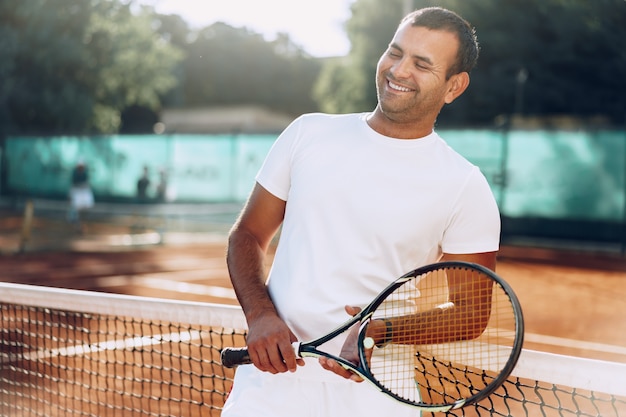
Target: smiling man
423, 68
360, 199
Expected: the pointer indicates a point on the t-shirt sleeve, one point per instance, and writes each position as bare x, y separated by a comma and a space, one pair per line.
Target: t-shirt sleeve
475, 223
275, 173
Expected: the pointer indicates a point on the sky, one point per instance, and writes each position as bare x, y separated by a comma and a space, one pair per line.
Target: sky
315, 25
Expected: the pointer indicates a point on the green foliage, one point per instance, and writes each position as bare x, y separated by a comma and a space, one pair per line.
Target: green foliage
37, 53
339, 88
143, 63
72, 66
77, 66
348, 85
574, 52
227, 66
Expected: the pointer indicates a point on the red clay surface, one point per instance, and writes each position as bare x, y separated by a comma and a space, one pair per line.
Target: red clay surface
574, 302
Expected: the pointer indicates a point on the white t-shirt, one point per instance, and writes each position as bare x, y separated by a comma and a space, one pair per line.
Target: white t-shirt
363, 209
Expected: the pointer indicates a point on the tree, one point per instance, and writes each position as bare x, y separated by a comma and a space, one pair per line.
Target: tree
132, 64
230, 66
72, 66
573, 52
176, 31
347, 85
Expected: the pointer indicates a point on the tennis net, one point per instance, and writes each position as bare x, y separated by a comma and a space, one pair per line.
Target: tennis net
80, 353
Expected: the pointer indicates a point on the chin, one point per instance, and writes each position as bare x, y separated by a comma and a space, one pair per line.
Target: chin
395, 110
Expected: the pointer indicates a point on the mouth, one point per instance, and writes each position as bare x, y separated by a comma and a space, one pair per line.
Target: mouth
396, 87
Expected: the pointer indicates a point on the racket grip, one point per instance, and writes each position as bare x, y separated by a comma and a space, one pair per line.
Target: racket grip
232, 357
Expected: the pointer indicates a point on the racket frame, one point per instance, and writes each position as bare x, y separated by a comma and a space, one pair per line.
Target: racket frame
365, 316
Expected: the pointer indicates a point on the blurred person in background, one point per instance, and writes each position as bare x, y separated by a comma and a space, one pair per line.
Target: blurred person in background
161, 189
143, 183
81, 195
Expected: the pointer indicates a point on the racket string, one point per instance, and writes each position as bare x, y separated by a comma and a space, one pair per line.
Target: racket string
445, 372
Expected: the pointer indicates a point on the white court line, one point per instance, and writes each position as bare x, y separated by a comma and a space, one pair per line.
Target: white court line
560, 341
578, 344
186, 287
120, 344
169, 285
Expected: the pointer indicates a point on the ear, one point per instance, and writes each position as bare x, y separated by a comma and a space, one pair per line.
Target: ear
458, 83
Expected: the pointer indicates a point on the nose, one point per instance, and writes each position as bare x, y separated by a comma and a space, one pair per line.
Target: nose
401, 68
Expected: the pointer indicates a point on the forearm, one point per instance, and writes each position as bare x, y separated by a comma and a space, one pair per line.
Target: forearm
246, 265
446, 323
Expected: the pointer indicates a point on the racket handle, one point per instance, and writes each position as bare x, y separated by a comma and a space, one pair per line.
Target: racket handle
232, 357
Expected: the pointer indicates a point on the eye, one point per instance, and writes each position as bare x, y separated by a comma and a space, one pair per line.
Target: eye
394, 54
422, 65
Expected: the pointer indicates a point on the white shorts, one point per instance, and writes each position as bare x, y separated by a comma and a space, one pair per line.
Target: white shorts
261, 394
81, 198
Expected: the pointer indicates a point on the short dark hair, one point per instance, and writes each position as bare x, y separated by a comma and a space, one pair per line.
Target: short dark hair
438, 18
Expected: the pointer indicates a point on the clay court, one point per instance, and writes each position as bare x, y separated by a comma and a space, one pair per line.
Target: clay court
574, 301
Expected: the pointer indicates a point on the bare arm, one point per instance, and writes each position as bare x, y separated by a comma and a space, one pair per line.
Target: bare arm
468, 297
459, 307
486, 259
269, 339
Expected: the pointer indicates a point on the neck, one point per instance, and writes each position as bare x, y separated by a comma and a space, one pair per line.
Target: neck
398, 129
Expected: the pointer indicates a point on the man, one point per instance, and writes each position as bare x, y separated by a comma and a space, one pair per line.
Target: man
142, 184
361, 199
81, 196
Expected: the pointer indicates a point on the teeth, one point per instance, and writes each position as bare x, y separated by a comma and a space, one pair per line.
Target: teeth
398, 87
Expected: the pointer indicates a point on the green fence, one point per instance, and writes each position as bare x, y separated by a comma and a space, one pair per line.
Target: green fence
199, 168
562, 184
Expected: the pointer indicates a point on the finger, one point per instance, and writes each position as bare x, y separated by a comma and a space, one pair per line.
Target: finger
261, 360
352, 310
334, 366
289, 357
277, 361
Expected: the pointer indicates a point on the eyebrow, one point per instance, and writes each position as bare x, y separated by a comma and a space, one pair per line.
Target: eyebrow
418, 57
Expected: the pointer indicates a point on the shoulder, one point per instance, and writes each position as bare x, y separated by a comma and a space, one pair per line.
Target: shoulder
325, 120
317, 128
453, 158
331, 118
457, 168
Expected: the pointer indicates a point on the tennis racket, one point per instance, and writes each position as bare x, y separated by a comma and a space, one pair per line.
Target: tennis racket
440, 337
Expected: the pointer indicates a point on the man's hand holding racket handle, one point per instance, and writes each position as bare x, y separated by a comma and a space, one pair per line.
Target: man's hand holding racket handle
270, 344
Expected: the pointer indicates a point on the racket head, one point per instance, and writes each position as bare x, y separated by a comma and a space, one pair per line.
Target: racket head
442, 366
